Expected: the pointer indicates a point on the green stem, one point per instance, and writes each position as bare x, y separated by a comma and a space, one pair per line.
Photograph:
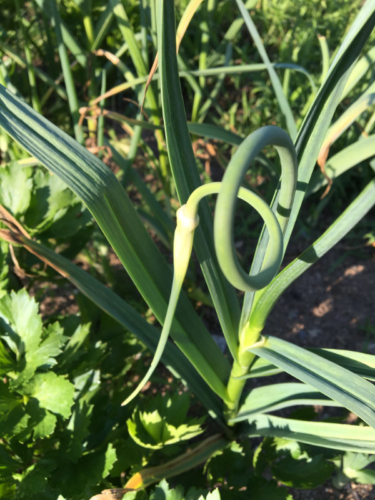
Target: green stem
240, 368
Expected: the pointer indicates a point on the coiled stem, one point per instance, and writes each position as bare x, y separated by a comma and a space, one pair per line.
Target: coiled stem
187, 220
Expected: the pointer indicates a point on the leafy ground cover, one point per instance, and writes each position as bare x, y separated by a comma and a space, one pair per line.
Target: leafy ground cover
83, 65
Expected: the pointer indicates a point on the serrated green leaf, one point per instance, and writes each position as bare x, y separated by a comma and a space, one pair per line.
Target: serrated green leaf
73, 348
53, 392
129, 455
7, 364
77, 430
35, 347
34, 482
14, 422
20, 323
152, 431
162, 492
303, 473
8, 401
7, 464
50, 200
50, 347
214, 495
262, 489
42, 423
90, 470
163, 421
15, 188
229, 466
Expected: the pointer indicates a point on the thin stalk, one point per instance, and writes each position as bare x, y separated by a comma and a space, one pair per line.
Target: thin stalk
68, 77
144, 24
205, 44
100, 136
90, 35
29, 61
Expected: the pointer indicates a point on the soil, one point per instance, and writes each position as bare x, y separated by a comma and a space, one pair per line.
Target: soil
331, 305
350, 492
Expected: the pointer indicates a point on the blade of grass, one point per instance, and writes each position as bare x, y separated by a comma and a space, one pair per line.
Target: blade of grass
203, 129
102, 26
139, 63
215, 91
324, 49
143, 190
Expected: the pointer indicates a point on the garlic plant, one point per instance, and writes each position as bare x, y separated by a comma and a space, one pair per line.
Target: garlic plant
337, 378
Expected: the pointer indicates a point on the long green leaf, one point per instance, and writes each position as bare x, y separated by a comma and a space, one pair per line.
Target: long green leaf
343, 161
345, 120
337, 436
248, 68
274, 397
187, 178
360, 363
359, 70
102, 26
104, 196
339, 384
